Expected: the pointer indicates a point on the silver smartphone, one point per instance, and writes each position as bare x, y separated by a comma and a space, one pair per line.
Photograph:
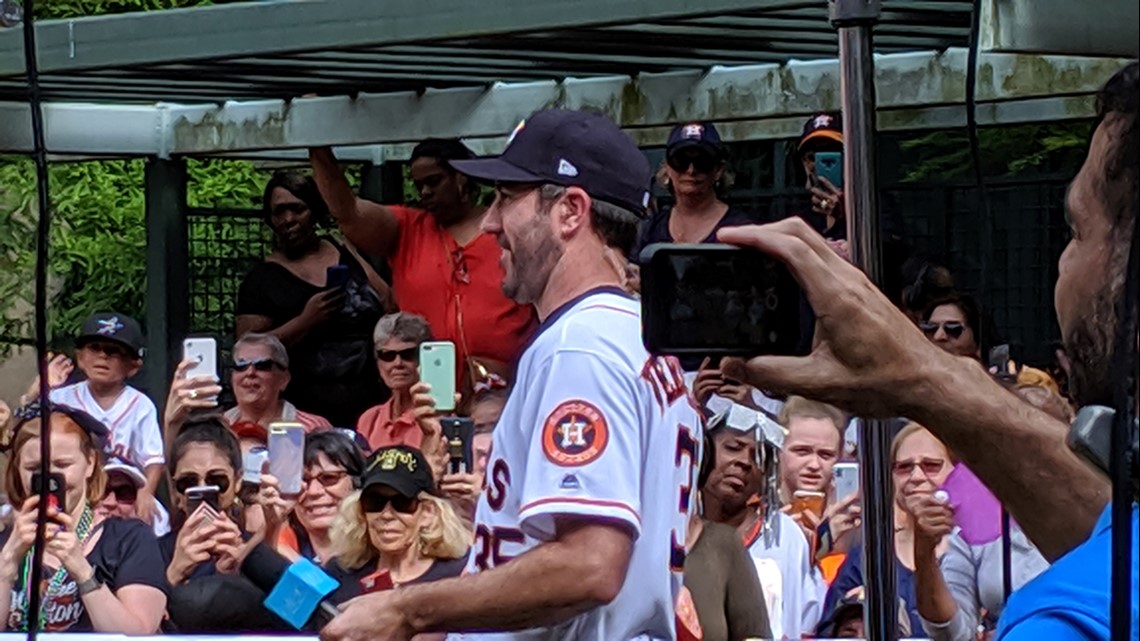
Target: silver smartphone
845, 477
287, 455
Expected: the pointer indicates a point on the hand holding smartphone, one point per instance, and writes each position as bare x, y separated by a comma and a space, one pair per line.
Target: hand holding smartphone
203, 353
845, 480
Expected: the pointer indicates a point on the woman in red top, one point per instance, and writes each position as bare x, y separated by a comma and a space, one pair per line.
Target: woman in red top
444, 267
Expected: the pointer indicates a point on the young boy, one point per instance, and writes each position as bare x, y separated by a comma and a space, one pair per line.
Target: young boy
109, 351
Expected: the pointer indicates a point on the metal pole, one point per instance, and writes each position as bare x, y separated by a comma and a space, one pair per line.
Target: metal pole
854, 20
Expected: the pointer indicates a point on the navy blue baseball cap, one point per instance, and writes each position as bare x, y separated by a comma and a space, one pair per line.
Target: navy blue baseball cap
571, 149
702, 135
821, 129
113, 327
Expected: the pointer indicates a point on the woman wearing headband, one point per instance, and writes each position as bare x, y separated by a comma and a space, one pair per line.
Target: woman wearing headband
102, 574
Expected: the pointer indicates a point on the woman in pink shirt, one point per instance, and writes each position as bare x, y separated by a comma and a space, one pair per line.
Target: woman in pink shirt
397, 339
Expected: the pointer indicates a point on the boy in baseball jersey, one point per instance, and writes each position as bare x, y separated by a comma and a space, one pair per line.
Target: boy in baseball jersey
580, 530
109, 351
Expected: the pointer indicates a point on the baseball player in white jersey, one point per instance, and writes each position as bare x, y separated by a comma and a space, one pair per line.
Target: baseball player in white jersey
580, 529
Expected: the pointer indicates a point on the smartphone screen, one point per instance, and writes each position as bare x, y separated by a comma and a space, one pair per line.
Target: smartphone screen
459, 432
203, 352
287, 455
829, 165
336, 276
717, 300
437, 369
55, 490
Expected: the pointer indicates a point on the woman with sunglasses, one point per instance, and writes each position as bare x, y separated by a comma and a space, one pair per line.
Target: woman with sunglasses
694, 166
920, 464
102, 573
396, 530
207, 536
955, 323
303, 528
397, 339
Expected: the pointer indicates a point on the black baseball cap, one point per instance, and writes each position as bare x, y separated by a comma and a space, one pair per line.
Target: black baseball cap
95, 428
401, 468
822, 128
702, 135
571, 149
113, 327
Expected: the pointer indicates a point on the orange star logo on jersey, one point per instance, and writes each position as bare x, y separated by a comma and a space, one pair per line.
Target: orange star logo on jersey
574, 434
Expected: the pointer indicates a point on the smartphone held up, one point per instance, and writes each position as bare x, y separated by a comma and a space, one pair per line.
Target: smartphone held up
717, 300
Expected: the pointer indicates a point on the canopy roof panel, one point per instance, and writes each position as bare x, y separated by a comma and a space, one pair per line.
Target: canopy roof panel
283, 50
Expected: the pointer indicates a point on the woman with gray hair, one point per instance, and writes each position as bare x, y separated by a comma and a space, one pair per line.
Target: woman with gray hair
397, 339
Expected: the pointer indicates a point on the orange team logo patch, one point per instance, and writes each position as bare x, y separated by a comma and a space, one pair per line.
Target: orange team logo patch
575, 433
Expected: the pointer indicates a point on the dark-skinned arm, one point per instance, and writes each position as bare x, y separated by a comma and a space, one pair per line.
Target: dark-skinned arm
583, 568
371, 227
1017, 449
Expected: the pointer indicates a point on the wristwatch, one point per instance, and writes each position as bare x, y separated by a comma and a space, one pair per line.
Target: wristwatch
90, 585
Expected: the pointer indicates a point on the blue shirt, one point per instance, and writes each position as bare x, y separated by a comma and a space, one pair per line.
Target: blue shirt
1070, 600
850, 576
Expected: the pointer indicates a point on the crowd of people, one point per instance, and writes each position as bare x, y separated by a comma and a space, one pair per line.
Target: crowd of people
769, 540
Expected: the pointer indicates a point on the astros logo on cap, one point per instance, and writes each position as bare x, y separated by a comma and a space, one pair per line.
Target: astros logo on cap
694, 130
821, 121
109, 326
574, 434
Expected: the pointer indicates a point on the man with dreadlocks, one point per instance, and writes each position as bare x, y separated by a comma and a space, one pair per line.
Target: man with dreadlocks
743, 491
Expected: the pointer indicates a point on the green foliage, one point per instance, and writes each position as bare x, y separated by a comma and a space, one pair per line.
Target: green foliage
943, 156
47, 9
97, 243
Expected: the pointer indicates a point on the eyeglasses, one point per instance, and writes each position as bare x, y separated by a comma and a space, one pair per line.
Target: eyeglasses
127, 493
411, 354
953, 329
703, 163
929, 466
259, 364
326, 479
186, 481
373, 502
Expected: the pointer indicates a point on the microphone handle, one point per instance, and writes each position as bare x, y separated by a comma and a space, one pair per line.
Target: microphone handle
326, 612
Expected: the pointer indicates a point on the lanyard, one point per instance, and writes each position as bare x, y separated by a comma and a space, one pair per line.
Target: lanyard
81, 531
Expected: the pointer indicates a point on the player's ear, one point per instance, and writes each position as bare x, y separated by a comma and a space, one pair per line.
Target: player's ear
572, 212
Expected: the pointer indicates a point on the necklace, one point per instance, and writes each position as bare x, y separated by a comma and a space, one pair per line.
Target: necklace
81, 532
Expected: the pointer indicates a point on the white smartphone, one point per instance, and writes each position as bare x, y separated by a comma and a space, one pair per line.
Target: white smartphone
287, 455
204, 354
845, 477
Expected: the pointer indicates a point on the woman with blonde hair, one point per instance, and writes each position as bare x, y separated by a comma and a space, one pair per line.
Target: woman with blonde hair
101, 574
396, 530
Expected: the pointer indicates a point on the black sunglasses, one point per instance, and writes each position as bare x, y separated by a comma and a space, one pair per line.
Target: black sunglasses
703, 163
373, 502
259, 364
126, 493
953, 329
186, 481
411, 354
